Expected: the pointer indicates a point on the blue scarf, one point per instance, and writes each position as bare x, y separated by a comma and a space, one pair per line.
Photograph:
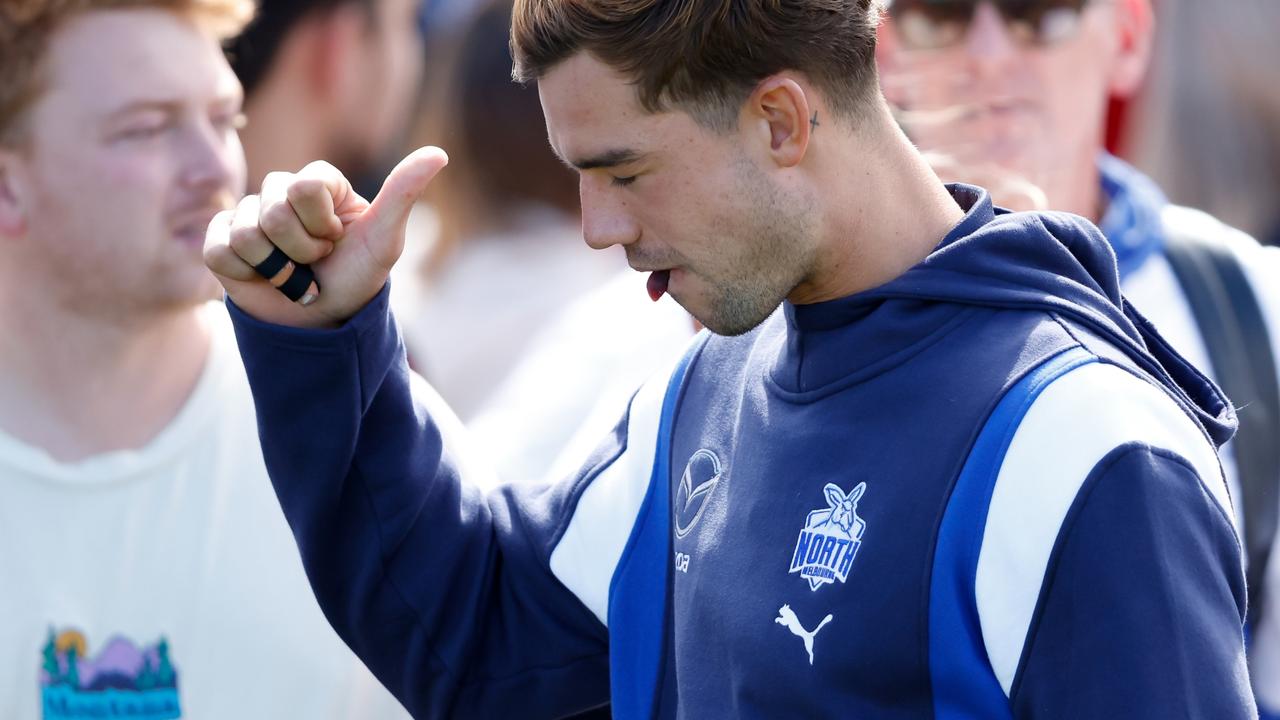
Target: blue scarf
1131, 221
1132, 218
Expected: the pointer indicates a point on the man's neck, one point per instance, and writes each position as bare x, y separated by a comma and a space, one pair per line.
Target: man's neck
1080, 189
78, 386
886, 211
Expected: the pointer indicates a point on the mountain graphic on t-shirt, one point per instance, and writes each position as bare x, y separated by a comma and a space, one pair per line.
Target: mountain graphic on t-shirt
122, 680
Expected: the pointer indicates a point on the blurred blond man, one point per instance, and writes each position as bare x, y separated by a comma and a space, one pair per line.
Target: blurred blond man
149, 570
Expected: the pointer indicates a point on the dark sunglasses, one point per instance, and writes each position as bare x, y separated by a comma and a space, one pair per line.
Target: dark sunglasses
932, 24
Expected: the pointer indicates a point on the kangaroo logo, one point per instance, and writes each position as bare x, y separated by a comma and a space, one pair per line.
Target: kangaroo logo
830, 538
787, 618
700, 478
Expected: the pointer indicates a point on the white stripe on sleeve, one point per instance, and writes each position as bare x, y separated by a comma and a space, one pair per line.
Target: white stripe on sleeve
1070, 427
592, 544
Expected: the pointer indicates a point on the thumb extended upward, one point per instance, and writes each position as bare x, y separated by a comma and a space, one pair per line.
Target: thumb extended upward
382, 224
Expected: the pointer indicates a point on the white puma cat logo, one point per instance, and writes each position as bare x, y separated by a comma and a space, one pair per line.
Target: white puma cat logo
787, 618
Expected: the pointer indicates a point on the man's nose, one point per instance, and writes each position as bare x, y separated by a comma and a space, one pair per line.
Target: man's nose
989, 44
606, 219
209, 158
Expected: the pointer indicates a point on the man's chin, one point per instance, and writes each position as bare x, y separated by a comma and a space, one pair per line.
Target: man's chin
189, 286
730, 324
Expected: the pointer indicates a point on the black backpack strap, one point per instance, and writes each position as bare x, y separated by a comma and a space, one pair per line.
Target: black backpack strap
1235, 333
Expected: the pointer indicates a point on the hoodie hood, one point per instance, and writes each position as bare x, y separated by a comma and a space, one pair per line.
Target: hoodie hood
1052, 262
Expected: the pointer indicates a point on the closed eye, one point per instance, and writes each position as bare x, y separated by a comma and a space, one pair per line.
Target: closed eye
623, 181
146, 129
230, 121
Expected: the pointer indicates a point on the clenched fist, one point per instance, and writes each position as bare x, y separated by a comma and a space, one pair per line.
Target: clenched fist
315, 218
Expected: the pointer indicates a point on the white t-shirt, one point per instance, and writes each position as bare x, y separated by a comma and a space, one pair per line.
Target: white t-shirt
574, 382
167, 566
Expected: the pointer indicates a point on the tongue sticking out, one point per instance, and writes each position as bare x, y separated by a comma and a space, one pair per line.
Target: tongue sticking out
658, 283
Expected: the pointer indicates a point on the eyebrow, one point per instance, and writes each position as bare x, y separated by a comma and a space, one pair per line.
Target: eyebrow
607, 159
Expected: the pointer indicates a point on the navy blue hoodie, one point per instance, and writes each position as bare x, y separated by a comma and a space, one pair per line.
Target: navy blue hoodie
984, 489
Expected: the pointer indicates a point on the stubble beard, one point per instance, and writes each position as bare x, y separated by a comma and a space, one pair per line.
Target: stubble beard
777, 232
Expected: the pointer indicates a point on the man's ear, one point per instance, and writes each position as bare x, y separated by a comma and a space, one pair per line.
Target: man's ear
781, 110
13, 211
1135, 25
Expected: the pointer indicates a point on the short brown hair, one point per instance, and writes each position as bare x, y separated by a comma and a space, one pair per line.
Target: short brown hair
706, 56
27, 25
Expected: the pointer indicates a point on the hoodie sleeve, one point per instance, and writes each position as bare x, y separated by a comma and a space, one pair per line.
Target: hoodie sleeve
1141, 611
1110, 581
462, 605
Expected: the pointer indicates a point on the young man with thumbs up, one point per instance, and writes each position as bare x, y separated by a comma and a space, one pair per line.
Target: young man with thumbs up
953, 476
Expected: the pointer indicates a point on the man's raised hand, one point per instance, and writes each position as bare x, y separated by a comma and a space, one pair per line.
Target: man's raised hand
315, 218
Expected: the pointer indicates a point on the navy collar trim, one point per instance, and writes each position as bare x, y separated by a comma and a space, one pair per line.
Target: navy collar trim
979, 211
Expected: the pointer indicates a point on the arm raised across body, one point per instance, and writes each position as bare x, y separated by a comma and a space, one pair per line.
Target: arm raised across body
446, 594
463, 604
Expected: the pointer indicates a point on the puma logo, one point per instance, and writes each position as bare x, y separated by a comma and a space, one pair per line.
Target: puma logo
787, 618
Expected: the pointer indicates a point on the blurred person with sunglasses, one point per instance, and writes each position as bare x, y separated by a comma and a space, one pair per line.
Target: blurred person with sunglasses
148, 572
1013, 94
